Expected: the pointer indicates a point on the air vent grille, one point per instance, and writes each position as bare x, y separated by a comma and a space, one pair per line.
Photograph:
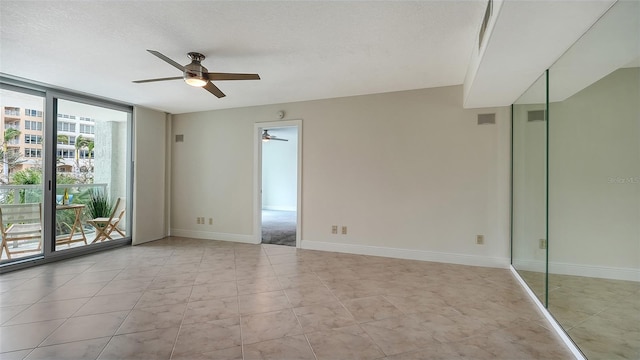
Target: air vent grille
180, 138
535, 115
484, 119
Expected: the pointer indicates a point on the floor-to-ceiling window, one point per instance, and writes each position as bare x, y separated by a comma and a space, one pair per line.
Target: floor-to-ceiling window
66, 181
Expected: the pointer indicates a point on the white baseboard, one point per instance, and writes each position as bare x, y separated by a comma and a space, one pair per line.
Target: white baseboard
601, 272
556, 327
451, 258
279, 208
209, 235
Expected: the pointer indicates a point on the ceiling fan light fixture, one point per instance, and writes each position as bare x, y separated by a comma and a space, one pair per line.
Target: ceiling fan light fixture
195, 81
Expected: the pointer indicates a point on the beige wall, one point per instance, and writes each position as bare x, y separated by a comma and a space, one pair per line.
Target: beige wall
410, 173
150, 221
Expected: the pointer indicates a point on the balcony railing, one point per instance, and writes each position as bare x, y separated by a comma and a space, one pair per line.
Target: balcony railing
25, 194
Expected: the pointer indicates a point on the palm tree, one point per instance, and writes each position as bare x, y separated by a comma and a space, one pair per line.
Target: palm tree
82, 142
9, 134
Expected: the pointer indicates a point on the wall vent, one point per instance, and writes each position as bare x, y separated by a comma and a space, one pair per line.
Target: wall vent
180, 138
485, 23
486, 119
535, 115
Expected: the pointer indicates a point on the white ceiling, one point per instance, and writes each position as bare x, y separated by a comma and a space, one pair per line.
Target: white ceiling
303, 50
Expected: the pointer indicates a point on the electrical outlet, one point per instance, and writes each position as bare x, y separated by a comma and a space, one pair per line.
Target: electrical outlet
210, 221
344, 230
334, 229
542, 244
480, 239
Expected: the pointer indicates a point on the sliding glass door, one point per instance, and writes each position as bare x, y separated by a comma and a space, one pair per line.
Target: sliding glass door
91, 174
21, 185
65, 182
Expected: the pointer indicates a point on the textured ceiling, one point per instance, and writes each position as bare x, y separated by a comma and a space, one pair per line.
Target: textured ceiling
302, 50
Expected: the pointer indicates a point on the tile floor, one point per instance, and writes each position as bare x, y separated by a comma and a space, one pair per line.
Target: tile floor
182, 298
601, 316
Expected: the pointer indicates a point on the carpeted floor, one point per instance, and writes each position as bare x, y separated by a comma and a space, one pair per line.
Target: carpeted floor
279, 227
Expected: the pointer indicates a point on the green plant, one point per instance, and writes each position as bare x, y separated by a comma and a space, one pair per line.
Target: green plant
99, 204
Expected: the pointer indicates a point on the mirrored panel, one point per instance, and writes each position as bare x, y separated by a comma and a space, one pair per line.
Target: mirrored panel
594, 187
529, 164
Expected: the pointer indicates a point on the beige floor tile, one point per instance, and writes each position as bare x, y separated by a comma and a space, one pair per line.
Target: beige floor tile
400, 334
23, 297
144, 273
269, 326
8, 312
346, 343
290, 347
447, 351
255, 272
109, 303
214, 291
302, 280
85, 328
94, 277
325, 316
48, 311
214, 277
204, 337
125, 286
26, 336
263, 302
303, 296
77, 291
15, 355
258, 285
172, 280
152, 318
437, 310
283, 259
209, 310
169, 296
86, 350
154, 344
233, 353
371, 308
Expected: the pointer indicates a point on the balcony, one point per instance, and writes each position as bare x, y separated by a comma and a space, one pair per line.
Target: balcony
71, 227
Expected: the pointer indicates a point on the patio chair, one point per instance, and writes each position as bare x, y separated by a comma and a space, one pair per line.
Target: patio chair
106, 225
20, 224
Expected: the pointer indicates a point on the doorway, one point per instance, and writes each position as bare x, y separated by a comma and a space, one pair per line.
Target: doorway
278, 184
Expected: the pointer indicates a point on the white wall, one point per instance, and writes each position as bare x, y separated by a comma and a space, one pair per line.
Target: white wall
150, 201
280, 170
410, 173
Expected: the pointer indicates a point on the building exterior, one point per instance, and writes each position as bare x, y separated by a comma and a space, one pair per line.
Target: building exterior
75, 135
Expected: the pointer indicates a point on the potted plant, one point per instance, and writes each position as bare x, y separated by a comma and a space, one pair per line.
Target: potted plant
99, 205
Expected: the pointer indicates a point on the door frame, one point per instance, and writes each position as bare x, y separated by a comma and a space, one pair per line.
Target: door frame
258, 127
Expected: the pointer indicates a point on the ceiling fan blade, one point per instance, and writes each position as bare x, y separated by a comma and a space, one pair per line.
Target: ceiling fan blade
166, 59
160, 79
214, 90
275, 138
233, 76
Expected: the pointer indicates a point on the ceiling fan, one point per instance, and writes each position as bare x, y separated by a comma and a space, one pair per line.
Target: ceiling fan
195, 74
266, 137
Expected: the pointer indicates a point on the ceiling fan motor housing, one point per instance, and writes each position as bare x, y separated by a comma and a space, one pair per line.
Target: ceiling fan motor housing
195, 70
